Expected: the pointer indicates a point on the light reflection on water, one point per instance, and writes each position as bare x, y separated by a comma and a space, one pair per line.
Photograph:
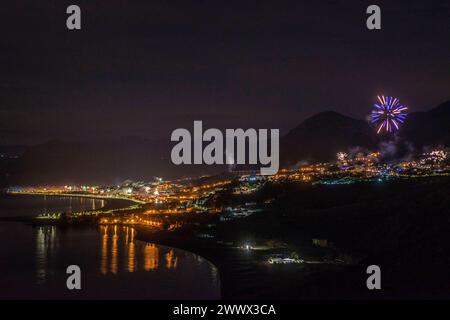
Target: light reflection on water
121, 251
107, 254
46, 245
114, 263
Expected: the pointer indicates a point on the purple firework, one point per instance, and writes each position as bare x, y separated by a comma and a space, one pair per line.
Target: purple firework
388, 114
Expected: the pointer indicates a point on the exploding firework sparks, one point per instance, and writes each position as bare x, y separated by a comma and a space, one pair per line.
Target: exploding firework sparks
342, 156
435, 156
388, 114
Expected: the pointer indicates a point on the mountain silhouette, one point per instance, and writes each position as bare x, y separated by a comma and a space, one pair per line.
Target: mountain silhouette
430, 128
321, 136
317, 138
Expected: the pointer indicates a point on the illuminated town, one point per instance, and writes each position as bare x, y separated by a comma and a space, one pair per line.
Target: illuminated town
165, 204
242, 219
211, 158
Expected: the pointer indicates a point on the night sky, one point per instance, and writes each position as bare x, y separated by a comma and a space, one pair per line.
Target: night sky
145, 68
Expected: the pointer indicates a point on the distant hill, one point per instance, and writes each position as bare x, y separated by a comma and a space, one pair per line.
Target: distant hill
112, 162
320, 137
317, 138
428, 128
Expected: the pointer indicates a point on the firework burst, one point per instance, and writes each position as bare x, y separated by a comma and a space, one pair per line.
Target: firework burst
388, 114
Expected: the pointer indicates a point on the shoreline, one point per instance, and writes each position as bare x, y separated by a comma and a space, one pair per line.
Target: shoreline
109, 205
246, 274
74, 195
234, 264
150, 235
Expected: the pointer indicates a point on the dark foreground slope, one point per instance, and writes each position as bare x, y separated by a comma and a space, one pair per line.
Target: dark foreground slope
401, 226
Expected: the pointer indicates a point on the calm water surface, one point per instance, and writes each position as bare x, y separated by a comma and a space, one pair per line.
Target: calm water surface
114, 265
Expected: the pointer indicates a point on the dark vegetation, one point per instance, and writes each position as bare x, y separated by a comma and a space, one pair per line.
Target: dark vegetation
401, 225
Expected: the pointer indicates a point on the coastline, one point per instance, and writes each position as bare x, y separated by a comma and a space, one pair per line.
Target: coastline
153, 274
234, 265
231, 263
75, 195
110, 203
245, 274
151, 235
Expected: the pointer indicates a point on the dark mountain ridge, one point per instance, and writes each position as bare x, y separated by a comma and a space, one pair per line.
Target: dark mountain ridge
317, 138
321, 136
